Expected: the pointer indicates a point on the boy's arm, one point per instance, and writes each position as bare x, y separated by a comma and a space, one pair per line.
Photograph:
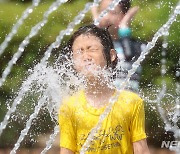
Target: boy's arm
127, 19
66, 151
140, 147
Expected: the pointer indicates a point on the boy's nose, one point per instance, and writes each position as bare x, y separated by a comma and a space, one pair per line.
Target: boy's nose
86, 57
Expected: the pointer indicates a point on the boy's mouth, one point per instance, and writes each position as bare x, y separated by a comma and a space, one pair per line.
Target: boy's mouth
89, 67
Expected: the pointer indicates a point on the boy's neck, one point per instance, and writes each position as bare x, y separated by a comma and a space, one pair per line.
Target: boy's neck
98, 93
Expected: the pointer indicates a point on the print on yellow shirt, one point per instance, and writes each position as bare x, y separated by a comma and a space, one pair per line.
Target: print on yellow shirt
112, 134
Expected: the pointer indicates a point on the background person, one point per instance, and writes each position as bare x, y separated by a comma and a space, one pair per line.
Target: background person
128, 49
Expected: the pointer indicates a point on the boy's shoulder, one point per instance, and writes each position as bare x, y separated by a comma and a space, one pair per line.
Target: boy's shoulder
128, 102
130, 93
73, 99
130, 97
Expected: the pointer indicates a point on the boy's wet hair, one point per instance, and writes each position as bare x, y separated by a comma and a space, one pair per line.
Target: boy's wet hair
104, 37
125, 5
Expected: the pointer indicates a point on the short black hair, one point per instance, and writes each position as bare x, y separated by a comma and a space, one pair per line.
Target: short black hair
104, 37
125, 5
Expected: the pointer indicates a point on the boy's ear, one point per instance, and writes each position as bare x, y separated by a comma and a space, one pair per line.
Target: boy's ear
113, 55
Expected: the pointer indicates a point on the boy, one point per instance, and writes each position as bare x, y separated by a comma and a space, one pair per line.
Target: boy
122, 131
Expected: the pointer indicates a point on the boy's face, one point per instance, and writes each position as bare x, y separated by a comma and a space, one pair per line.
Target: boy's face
88, 56
113, 18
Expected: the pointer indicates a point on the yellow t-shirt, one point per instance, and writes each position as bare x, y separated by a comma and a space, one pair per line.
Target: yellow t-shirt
123, 126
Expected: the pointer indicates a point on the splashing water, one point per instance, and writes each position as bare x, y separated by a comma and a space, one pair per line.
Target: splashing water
52, 138
50, 91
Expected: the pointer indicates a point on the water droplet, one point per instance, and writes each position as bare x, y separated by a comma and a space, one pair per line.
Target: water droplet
54, 8
163, 53
21, 49
30, 10
178, 106
164, 45
42, 24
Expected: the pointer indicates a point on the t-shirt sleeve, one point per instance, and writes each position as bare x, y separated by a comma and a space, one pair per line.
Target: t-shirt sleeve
67, 130
137, 127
